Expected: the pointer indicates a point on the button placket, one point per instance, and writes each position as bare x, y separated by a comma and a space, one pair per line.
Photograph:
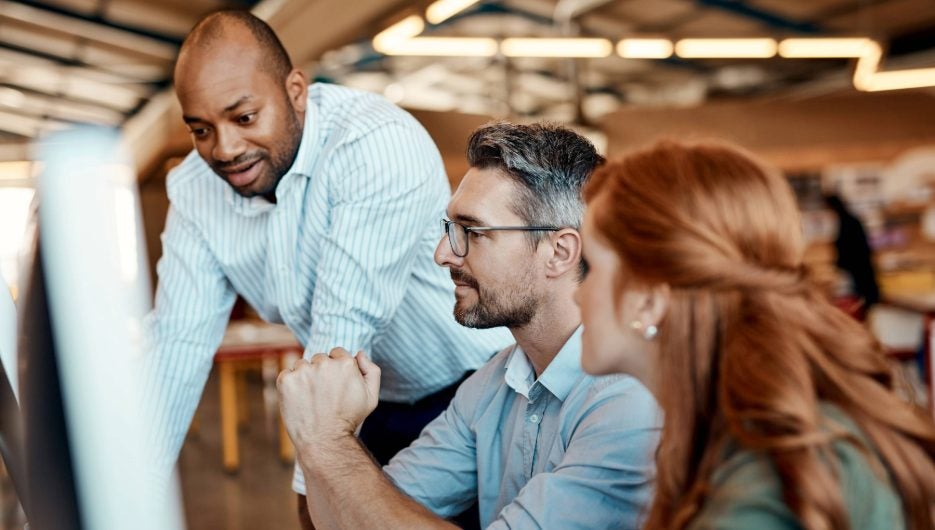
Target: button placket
282, 238
533, 415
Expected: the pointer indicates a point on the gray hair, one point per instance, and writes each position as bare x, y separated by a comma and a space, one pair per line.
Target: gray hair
550, 164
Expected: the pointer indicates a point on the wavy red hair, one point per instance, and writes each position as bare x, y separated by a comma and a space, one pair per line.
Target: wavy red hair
749, 347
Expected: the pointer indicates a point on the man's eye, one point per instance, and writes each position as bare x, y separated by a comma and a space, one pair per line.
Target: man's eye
245, 119
199, 132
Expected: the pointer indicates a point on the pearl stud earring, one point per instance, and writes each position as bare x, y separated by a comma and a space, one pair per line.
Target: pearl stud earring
649, 332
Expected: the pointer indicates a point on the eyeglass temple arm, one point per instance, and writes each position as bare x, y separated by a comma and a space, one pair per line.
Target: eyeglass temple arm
524, 228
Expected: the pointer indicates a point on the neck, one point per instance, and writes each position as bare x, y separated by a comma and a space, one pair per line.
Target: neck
650, 377
548, 331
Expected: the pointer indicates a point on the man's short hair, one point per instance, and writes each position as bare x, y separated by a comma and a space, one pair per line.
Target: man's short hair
212, 27
550, 164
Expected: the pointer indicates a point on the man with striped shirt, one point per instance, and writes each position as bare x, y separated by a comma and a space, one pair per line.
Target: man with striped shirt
319, 206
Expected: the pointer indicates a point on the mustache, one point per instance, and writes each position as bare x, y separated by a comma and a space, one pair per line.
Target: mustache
241, 160
463, 277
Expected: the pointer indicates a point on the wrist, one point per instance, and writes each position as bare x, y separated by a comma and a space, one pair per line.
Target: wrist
323, 449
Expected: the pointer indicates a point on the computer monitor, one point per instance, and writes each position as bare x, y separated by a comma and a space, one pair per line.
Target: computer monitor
82, 456
48, 493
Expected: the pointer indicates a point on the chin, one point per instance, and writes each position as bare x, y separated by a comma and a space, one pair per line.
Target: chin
464, 303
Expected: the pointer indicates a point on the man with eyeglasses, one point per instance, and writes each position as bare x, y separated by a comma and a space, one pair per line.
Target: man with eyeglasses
530, 437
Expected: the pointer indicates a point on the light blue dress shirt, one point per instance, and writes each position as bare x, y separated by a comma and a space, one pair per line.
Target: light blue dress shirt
344, 258
565, 451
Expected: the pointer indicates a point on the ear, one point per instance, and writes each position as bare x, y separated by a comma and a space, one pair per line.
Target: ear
566, 253
297, 89
645, 304
655, 304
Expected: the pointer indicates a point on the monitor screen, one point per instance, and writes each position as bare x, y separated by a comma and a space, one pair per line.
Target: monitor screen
80, 450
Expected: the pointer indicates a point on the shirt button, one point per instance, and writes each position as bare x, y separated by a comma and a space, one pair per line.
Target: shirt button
534, 418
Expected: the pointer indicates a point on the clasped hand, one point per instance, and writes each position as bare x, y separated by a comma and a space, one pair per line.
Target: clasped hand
327, 397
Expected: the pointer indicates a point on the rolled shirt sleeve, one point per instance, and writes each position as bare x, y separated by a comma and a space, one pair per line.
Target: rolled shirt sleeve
439, 469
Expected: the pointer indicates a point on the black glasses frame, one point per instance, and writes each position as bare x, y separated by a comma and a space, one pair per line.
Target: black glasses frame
446, 232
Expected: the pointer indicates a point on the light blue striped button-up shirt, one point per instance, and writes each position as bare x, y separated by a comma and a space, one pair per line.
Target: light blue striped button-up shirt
567, 450
344, 258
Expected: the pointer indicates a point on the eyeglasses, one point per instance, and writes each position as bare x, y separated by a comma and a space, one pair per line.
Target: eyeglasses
458, 233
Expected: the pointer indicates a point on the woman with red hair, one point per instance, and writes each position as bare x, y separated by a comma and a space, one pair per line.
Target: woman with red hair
780, 410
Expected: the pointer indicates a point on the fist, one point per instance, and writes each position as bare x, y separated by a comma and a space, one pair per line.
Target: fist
327, 397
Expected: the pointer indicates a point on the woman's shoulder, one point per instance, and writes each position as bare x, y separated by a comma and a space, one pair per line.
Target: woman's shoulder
746, 491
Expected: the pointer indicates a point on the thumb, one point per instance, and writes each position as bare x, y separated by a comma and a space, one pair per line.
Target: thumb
371, 373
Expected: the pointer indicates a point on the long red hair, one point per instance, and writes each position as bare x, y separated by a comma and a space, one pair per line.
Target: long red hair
749, 347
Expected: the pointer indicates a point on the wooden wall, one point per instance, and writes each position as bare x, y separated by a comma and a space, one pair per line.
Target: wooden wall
794, 134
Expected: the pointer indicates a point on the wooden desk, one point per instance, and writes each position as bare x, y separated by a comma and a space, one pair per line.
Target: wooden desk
923, 303
246, 341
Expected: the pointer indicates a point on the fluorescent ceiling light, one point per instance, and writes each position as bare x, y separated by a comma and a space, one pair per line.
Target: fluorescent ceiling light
897, 80
824, 48
645, 48
868, 78
569, 47
726, 48
901, 79
867, 65
444, 9
401, 31
443, 46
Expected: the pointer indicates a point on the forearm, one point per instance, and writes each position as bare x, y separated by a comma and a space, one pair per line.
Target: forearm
347, 490
172, 386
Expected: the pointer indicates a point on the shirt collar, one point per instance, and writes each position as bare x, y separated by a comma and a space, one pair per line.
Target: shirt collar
559, 376
300, 166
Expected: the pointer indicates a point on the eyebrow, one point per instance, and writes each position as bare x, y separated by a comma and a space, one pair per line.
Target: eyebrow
229, 108
239, 102
469, 219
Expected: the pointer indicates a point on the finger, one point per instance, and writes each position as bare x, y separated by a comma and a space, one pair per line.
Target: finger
338, 353
371, 373
298, 364
318, 358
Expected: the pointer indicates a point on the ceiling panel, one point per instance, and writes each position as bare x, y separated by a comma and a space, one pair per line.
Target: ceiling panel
720, 23
889, 18
13, 122
648, 14
90, 60
86, 29
800, 11
87, 7
41, 105
114, 55
174, 21
36, 38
